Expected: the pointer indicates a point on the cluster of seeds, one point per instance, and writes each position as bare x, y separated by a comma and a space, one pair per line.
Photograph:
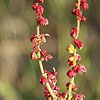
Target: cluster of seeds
74, 58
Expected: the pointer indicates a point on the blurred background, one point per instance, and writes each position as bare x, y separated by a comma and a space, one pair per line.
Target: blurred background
19, 76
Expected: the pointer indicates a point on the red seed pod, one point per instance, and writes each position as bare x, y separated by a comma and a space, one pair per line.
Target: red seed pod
39, 10
78, 43
73, 32
76, 5
74, 11
83, 19
45, 55
79, 97
80, 69
43, 37
33, 36
85, 5
33, 56
64, 95
36, 49
71, 73
35, 6
43, 80
67, 85
42, 21
56, 88
78, 12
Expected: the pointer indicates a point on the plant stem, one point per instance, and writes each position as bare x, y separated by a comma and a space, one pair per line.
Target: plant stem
70, 89
72, 80
78, 21
41, 66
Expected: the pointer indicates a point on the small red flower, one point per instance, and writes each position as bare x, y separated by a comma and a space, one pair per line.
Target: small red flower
78, 43
80, 69
43, 80
35, 6
74, 11
73, 32
78, 12
76, 5
43, 37
35, 40
71, 73
85, 5
42, 21
33, 56
55, 73
83, 19
35, 48
33, 36
79, 97
39, 10
64, 95
45, 55
56, 88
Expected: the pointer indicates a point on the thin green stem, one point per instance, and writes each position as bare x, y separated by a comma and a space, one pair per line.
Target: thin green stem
78, 21
41, 68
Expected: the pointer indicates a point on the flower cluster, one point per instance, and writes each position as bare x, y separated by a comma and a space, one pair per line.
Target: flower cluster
39, 11
38, 40
74, 58
49, 79
52, 80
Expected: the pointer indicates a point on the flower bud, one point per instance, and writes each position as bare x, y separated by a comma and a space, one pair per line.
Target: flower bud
43, 80
78, 12
73, 32
39, 10
35, 6
83, 19
42, 21
71, 74
74, 11
78, 43
85, 5
33, 56
80, 69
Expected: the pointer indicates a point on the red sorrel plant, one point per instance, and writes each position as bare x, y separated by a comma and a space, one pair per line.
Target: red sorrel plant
48, 79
